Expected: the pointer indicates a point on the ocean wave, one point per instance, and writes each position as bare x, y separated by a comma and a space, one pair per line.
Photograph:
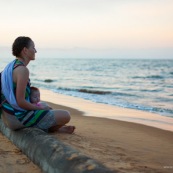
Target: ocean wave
123, 94
94, 91
151, 90
138, 77
154, 77
98, 92
89, 91
36, 80
158, 110
166, 112
48, 80
148, 77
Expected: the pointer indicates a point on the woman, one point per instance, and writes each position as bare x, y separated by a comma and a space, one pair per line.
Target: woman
17, 110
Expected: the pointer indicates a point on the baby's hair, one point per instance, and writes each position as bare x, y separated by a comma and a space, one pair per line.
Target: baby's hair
34, 89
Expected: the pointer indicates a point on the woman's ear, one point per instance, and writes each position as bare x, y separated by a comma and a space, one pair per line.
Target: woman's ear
25, 50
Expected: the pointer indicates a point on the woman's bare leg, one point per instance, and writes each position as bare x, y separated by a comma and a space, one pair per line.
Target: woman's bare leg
11, 121
62, 117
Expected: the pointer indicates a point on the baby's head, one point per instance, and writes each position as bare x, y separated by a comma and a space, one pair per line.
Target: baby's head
35, 95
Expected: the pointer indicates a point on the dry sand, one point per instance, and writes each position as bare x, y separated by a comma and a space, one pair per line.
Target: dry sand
12, 160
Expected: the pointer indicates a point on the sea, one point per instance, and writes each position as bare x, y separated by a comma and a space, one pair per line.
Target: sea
142, 84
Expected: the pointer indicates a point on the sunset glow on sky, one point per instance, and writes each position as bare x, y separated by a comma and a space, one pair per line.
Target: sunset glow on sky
90, 24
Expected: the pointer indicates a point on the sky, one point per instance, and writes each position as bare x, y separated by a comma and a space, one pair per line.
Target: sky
91, 28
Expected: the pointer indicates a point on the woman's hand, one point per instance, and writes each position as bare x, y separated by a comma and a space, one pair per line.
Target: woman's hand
45, 107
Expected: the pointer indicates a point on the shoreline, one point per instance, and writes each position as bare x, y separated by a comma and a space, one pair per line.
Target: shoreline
112, 112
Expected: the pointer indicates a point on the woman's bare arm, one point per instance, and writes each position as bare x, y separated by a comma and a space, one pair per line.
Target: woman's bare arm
21, 77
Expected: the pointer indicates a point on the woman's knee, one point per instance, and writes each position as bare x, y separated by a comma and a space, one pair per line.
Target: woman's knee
67, 115
62, 116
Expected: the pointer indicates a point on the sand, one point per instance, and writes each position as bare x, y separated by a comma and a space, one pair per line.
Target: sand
130, 141
142, 142
12, 160
124, 146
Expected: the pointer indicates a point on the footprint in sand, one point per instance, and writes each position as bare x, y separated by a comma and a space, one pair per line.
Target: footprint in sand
23, 161
4, 152
17, 151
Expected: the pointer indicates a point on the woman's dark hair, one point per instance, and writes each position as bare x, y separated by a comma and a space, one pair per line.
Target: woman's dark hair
19, 44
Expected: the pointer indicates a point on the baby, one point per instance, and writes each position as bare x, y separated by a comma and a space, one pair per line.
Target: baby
35, 97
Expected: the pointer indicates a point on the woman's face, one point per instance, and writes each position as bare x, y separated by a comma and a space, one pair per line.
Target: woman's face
31, 51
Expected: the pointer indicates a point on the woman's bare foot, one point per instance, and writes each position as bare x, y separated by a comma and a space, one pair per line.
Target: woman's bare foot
62, 129
66, 129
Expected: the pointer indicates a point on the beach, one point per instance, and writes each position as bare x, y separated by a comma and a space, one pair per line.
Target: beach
119, 145
126, 144
109, 63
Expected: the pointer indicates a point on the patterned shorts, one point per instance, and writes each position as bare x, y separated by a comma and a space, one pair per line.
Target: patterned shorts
47, 121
